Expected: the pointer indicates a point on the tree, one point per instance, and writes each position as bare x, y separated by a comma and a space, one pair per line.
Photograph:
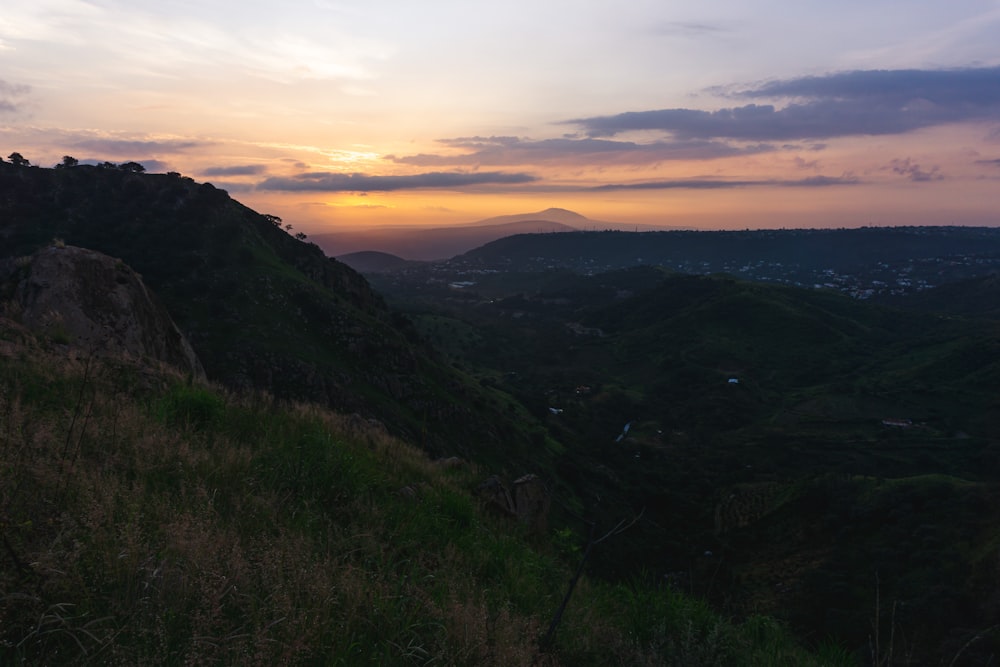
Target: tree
18, 160
273, 219
67, 161
134, 167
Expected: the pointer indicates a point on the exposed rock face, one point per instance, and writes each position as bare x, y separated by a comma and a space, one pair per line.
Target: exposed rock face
82, 297
530, 501
496, 496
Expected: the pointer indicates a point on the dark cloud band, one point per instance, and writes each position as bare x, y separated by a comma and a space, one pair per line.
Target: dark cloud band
239, 170
133, 147
326, 182
512, 151
681, 184
845, 104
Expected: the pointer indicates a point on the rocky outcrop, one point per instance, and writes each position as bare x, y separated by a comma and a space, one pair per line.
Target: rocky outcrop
530, 501
81, 297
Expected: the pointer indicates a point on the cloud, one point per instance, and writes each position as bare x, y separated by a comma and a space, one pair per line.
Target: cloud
495, 151
995, 163
690, 28
11, 95
696, 184
129, 147
952, 88
238, 170
327, 182
914, 171
154, 166
873, 102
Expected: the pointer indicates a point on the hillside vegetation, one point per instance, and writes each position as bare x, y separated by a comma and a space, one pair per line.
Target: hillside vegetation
796, 452
149, 520
772, 450
262, 309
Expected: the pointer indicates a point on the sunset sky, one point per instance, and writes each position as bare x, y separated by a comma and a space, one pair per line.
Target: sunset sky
721, 114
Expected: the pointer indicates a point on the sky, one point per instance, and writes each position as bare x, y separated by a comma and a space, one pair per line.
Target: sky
717, 115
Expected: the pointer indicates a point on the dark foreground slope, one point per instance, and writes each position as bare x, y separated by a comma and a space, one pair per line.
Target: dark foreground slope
262, 309
149, 520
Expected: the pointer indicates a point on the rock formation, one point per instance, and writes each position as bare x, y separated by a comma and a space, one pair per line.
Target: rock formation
530, 501
81, 297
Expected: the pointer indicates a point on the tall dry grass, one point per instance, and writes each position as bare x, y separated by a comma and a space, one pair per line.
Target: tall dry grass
148, 520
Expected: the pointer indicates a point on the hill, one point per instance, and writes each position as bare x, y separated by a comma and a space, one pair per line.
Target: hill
148, 518
570, 219
869, 262
830, 461
978, 296
429, 243
372, 261
321, 557
262, 309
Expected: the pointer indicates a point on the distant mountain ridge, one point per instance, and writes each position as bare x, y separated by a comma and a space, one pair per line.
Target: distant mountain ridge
444, 242
437, 243
372, 261
560, 215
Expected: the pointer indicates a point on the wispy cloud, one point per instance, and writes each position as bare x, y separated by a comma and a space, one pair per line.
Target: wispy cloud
12, 96
237, 170
873, 102
132, 147
328, 182
158, 39
690, 28
914, 172
495, 151
706, 184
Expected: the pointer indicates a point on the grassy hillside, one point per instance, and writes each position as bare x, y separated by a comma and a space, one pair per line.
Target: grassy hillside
148, 520
263, 309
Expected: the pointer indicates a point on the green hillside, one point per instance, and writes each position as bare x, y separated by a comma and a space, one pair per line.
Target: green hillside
784, 453
148, 520
263, 309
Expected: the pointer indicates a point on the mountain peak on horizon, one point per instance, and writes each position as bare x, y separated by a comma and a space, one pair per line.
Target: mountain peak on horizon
555, 210
551, 214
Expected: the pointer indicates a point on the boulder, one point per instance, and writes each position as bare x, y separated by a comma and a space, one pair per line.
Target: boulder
80, 297
496, 496
529, 503
532, 503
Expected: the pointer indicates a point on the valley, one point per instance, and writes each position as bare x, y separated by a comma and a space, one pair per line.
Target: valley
816, 459
794, 451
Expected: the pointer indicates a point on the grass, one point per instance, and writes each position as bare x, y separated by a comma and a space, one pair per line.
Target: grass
149, 520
